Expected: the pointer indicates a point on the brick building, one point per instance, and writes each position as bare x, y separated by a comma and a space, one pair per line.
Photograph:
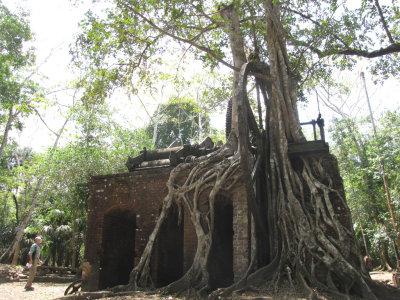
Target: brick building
123, 209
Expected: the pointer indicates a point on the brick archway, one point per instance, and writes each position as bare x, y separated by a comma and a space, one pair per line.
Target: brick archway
220, 263
168, 258
118, 247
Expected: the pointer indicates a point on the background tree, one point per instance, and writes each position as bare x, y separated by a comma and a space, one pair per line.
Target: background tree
18, 92
33, 197
186, 116
179, 121
14, 180
100, 147
27, 178
356, 151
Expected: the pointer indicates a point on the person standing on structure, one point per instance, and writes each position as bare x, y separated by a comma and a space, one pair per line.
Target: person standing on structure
34, 259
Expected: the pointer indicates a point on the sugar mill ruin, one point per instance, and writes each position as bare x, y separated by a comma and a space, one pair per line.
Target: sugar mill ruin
122, 213
123, 210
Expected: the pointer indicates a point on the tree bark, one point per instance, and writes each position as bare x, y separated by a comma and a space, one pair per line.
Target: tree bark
318, 243
74, 246
230, 15
384, 256
10, 121
16, 251
16, 255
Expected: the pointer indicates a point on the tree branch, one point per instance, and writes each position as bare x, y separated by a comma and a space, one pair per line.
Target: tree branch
204, 49
144, 106
383, 21
317, 24
44, 122
393, 48
202, 13
16, 207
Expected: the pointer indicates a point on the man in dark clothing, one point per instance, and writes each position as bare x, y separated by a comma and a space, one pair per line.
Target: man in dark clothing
34, 255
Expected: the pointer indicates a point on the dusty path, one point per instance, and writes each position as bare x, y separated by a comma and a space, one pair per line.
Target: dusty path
43, 290
385, 277
47, 290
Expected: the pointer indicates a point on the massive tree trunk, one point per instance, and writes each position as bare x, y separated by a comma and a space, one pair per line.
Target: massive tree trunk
318, 245
301, 221
230, 15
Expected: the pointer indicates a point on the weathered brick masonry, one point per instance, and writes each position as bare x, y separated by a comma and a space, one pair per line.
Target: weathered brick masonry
123, 209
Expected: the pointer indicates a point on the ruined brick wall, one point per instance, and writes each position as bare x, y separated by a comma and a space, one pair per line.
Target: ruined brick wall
241, 238
141, 192
240, 227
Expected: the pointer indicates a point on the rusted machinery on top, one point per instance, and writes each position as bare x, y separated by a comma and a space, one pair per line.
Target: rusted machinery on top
171, 156
311, 147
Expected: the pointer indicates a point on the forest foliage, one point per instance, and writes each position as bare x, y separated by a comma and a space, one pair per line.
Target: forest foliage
358, 156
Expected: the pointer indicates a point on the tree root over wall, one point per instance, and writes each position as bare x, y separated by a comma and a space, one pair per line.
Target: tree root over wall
210, 175
311, 237
301, 225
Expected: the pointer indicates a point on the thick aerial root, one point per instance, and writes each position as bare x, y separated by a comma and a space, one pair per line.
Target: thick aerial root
266, 273
309, 228
73, 287
99, 295
206, 175
320, 245
193, 282
384, 291
239, 285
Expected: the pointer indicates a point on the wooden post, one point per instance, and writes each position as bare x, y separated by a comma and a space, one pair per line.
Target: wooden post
381, 164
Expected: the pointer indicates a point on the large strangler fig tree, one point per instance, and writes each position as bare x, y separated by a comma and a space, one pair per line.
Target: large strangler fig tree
302, 224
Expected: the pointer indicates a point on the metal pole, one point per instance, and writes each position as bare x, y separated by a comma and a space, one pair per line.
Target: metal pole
381, 163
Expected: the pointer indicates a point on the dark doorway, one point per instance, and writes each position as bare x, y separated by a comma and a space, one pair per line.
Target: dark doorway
118, 247
169, 254
220, 263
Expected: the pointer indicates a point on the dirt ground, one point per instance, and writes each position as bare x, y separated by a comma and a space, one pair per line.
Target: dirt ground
385, 277
43, 290
47, 290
